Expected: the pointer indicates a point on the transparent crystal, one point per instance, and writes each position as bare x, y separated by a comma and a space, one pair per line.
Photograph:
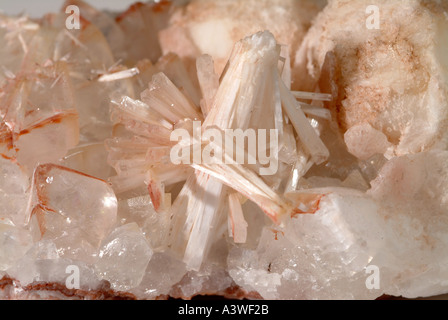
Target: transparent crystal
123, 257
14, 192
72, 204
14, 243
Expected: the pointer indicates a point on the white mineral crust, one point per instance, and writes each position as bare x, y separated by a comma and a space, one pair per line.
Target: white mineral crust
393, 77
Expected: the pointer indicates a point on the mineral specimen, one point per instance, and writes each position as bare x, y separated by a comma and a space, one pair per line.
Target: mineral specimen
249, 149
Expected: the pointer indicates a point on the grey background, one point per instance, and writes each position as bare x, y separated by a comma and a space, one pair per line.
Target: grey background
37, 8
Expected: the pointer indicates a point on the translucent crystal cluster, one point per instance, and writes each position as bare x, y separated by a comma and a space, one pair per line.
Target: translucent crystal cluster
345, 200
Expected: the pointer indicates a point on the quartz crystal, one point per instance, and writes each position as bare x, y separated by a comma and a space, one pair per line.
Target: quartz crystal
14, 192
66, 212
125, 248
343, 194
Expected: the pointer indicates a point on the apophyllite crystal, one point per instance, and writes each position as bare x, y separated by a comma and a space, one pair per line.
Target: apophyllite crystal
257, 149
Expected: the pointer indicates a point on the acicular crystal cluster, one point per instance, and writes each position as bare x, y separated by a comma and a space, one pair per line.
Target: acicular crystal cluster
328, 139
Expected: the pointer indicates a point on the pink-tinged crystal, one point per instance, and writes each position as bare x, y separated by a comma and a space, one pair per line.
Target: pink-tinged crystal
142, 21
90, 159
48, 140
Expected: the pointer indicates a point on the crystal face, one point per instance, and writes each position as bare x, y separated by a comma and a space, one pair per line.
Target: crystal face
281, 149
125, 248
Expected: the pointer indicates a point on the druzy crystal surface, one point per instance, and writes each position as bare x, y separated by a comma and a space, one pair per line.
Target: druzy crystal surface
346, 199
